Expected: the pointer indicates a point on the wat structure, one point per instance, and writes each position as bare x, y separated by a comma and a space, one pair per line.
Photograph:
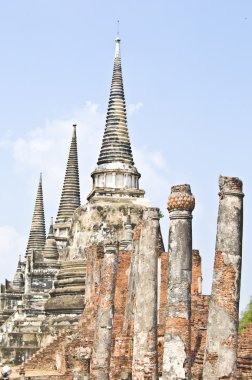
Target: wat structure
100, 299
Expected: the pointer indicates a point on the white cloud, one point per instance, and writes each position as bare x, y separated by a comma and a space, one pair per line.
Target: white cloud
4, 143
155, 174
132, 108
12, 245
45, 149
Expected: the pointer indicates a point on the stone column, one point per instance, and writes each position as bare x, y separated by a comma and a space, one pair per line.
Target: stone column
105, 310
222, 330
176, 359
144, 364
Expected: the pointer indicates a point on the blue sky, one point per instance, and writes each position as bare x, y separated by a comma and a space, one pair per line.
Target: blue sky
188, 86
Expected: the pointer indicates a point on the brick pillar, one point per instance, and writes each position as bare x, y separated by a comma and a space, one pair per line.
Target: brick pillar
176, 359
222, 330
144, 365
105, 310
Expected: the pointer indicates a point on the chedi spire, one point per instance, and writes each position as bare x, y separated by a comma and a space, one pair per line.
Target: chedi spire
116, 142
37, 235
116, 174
70, 197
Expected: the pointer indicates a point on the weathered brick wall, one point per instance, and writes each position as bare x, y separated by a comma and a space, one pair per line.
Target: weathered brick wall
51, 357
121, 350
245, 352
79, 349
71, 351
199, 318
163, 291
199, 309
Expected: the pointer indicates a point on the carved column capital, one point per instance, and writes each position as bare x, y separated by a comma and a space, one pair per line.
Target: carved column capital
181, 202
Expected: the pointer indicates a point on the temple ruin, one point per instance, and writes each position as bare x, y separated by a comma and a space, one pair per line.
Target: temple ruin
100, 299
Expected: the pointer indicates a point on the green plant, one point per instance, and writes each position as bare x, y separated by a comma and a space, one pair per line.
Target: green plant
160, 215
246, 316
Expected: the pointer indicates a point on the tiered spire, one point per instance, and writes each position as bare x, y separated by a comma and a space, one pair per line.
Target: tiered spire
70, 197
115, 174
37, 235
116, 144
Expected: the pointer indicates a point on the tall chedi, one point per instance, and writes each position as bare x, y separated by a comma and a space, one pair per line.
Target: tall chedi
116, 173
68, 292
70, 196
37, 235
116, 207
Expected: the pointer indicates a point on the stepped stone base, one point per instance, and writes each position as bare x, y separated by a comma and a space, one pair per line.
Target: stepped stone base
67, 297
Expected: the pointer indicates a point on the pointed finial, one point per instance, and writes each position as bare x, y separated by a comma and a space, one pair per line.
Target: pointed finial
74, 130
118, 26
117, 40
